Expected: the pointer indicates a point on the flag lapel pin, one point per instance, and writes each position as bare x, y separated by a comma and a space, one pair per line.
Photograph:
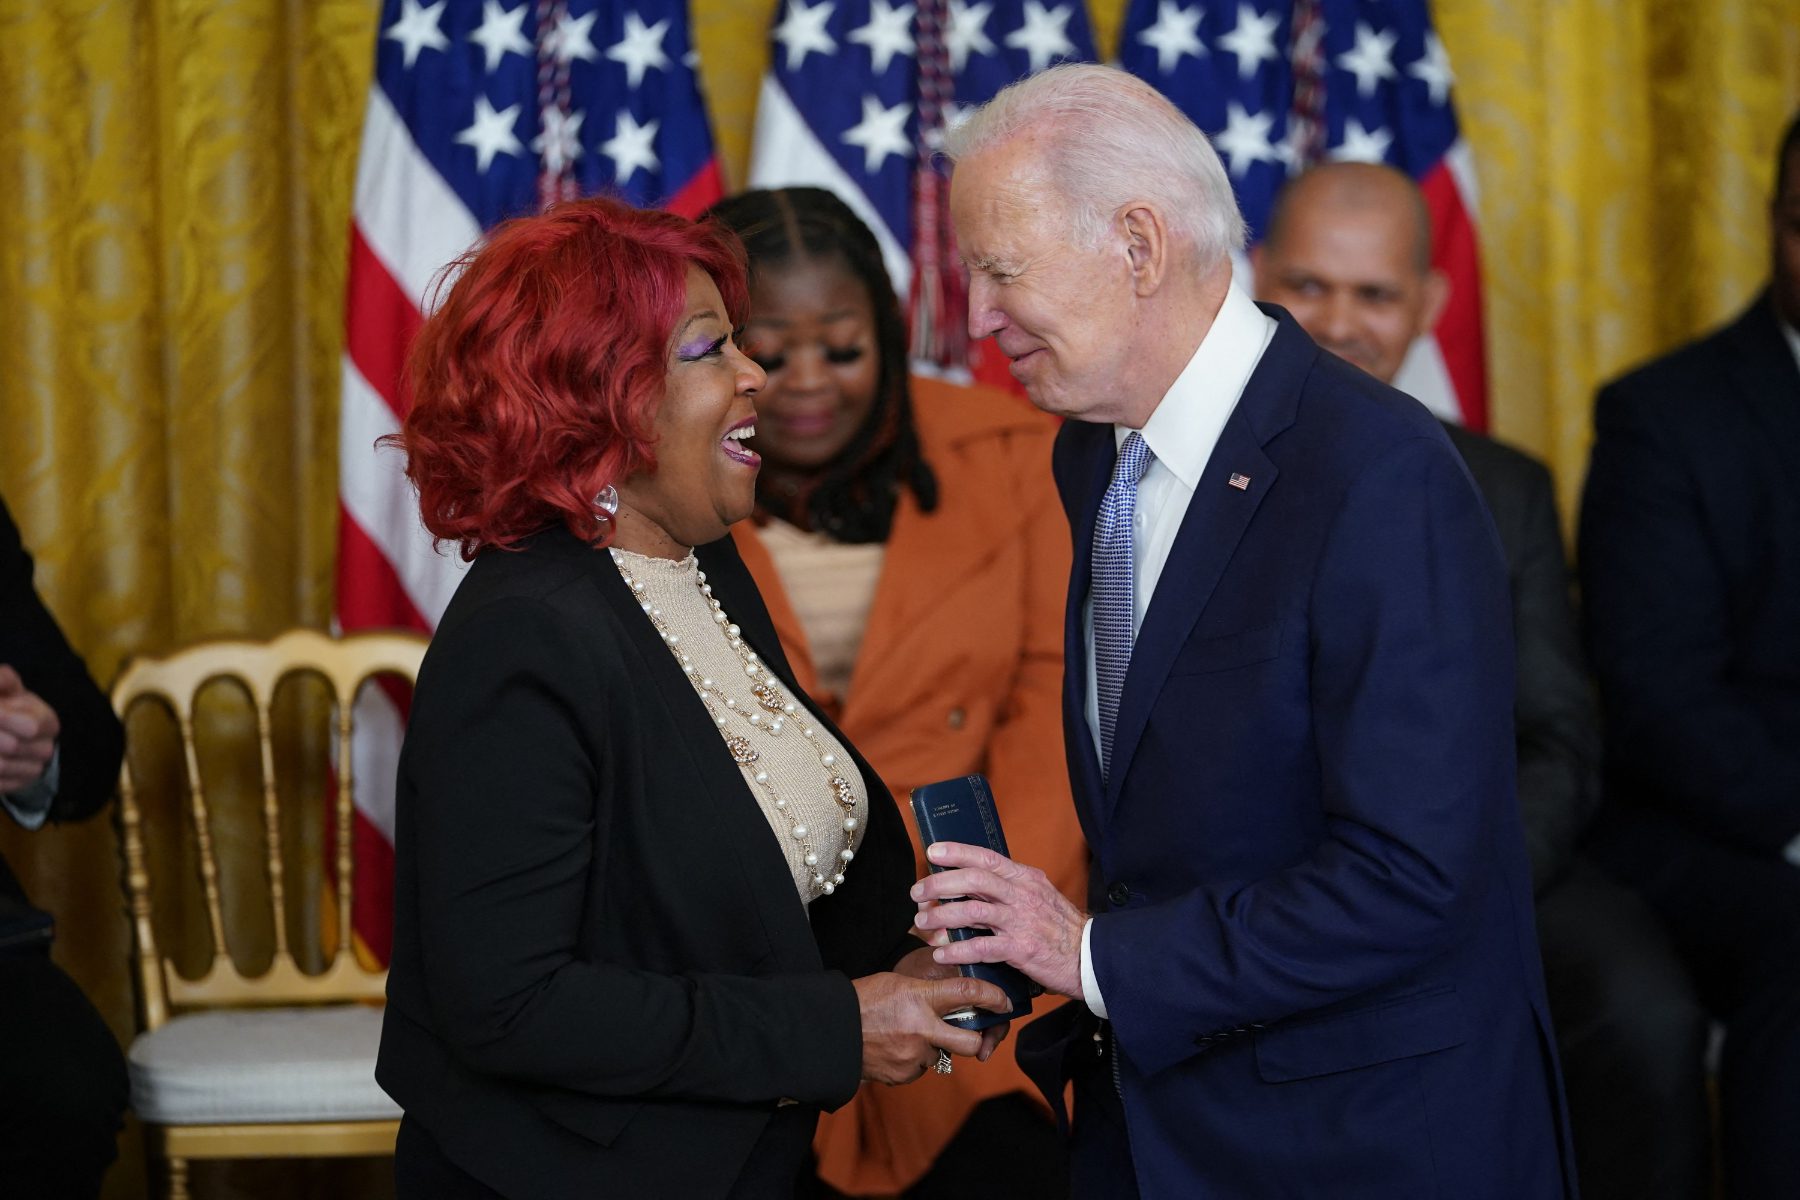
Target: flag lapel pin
1240, 482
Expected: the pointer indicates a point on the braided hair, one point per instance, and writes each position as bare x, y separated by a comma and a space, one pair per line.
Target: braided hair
852, 499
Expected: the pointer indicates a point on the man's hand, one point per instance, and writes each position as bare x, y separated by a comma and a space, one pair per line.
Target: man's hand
903, 1021
1034, 927
28, 729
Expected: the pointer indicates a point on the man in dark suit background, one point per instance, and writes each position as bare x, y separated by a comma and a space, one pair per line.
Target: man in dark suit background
62, 1079
1348, 252
1309, 966
1690, 573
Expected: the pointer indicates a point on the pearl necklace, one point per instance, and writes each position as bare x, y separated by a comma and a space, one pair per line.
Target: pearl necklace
767, 717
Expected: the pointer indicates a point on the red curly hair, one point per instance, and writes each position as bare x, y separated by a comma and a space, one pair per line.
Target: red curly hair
536, 381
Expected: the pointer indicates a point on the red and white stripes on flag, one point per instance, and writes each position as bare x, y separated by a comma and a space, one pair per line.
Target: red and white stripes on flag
1447, 370
480, 110
405, 225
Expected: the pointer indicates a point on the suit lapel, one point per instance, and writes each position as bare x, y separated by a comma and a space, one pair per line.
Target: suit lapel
836, 938
730, 808
1767, 376
1091, 463
1210, 530
912, 574
737, 590
927, 559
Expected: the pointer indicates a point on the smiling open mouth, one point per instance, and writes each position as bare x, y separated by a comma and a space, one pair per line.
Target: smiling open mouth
735, 449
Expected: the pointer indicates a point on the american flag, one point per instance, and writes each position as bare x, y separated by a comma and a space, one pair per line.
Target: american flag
856, 98
1280, 84
480, 110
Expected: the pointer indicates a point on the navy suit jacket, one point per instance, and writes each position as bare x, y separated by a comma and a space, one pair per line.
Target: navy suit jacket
1313, 919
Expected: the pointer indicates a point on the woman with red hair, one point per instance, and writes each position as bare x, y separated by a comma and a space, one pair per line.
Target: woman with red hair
650, 908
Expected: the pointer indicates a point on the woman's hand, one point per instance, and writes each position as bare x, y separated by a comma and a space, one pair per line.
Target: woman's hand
903, 1025
919, 964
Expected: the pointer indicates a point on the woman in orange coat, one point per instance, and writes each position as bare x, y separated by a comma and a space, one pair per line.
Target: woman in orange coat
911, 549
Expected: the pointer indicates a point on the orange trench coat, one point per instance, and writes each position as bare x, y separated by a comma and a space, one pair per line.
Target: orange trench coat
960, 670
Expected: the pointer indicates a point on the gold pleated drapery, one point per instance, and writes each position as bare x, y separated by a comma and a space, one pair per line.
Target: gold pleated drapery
175, 181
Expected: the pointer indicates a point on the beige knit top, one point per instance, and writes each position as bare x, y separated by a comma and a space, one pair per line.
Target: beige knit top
831, 585
808, 788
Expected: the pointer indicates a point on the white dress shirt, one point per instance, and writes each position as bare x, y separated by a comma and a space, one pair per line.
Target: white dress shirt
31, 807
1181, 432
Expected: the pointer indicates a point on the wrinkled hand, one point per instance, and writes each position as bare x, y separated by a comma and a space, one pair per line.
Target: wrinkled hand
1035, 928
903, 1021
920, 965
28, 729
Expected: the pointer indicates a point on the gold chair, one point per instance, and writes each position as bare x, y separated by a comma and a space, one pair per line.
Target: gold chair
281, 1063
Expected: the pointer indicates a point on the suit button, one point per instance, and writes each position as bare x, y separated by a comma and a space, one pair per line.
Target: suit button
957, 717
1204, 1041
1118, 893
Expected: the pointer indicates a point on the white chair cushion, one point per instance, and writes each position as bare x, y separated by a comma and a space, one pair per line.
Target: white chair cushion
246, 1066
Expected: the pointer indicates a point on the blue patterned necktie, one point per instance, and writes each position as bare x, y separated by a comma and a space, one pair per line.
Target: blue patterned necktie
1110, 586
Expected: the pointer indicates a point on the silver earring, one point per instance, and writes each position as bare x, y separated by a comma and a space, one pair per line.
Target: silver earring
606, 502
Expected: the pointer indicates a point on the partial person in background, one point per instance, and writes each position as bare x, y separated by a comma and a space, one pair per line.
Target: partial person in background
650, 910
1348, 253
1690, 575
63, 1086
911, 549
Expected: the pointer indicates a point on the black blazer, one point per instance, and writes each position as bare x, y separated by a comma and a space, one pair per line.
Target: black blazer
1690, 573
91, 741
1554, 717
603, 979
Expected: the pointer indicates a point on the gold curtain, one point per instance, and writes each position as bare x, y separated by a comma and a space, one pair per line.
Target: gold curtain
177, 178
1625, 153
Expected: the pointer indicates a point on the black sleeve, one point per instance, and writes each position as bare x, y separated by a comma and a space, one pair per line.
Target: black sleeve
1556, 723
92, 741
1659, 620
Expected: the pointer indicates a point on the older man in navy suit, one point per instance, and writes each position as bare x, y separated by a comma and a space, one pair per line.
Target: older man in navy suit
1309, 965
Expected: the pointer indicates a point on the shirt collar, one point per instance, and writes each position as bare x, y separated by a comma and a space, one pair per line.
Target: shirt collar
1185, 425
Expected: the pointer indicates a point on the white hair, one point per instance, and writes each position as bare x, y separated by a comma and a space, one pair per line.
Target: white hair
1116, 139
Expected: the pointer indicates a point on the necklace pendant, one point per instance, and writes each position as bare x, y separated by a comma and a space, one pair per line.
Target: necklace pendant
843, 793
741, 749
768, 697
